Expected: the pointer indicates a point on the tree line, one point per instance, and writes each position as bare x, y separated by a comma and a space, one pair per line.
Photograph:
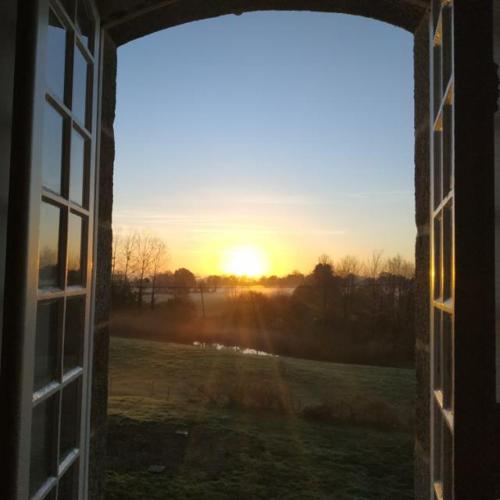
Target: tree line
347, 311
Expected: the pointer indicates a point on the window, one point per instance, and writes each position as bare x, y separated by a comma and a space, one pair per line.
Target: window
59, 378
442, 374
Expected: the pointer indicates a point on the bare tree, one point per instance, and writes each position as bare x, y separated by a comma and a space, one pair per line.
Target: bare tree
348, 268
143, 262
128, 249
399, 271
115, 250
325, 260
348, 265
398, 266
158, 262
373, 266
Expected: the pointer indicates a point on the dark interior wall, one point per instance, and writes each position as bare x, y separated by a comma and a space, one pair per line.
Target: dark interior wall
17, 32
8, 18
410, 14
496, 57
8, 28
474, 292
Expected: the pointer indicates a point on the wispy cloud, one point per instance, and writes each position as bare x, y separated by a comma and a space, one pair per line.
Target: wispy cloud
222, 223
379, 194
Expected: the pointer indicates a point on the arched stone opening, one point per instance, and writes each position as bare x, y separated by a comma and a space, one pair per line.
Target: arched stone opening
124, 21
128, 20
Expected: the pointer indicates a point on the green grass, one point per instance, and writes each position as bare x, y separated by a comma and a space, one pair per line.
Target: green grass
257, 427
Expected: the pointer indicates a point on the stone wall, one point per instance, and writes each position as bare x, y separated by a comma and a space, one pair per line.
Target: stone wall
422, 256
127, 20
103, 275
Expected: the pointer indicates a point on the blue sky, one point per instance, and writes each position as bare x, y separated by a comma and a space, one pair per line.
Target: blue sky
292, 132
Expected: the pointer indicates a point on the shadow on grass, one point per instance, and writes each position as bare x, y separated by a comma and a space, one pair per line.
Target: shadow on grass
254, 456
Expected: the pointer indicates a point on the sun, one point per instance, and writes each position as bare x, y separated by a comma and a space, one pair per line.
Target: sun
245, 260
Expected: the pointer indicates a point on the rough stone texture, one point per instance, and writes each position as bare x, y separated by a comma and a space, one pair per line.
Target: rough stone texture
97, 459
422, 251
127, 20
97, 472
138, 18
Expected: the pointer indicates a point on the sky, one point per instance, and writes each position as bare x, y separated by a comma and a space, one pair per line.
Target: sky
287, 134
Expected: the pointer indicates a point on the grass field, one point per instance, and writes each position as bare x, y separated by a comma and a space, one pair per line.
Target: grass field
224, 425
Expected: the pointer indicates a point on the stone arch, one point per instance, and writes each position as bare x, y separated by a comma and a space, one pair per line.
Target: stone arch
126, 20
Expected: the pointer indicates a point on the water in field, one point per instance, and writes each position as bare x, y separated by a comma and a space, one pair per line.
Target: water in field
232, 348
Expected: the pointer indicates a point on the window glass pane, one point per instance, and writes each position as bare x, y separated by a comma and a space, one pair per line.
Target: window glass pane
447, 45
447, 148
70, 419
436, 7
437, 350
56, 56
52, 146
85, 22
68, 485
77, 172
447, 252
80, 87
46, 347
50, 221
447, 356
74, 331
437, 442
75, 272
447, 462
438, 137
43, 447
437, 258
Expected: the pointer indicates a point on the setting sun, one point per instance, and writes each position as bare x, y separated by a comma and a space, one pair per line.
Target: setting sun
245, 261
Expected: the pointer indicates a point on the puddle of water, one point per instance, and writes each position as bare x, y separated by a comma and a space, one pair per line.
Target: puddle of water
234, 348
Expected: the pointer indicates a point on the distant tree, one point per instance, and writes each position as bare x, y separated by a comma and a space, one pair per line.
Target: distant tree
348, 265
323, 271
295, 278
122, 259
144, 261
158, 262
322, 277
184, 281
348, 268
128, 249
397, 277
213, 282
397, 266
374, 264
373, 268
116, 248
165, 279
